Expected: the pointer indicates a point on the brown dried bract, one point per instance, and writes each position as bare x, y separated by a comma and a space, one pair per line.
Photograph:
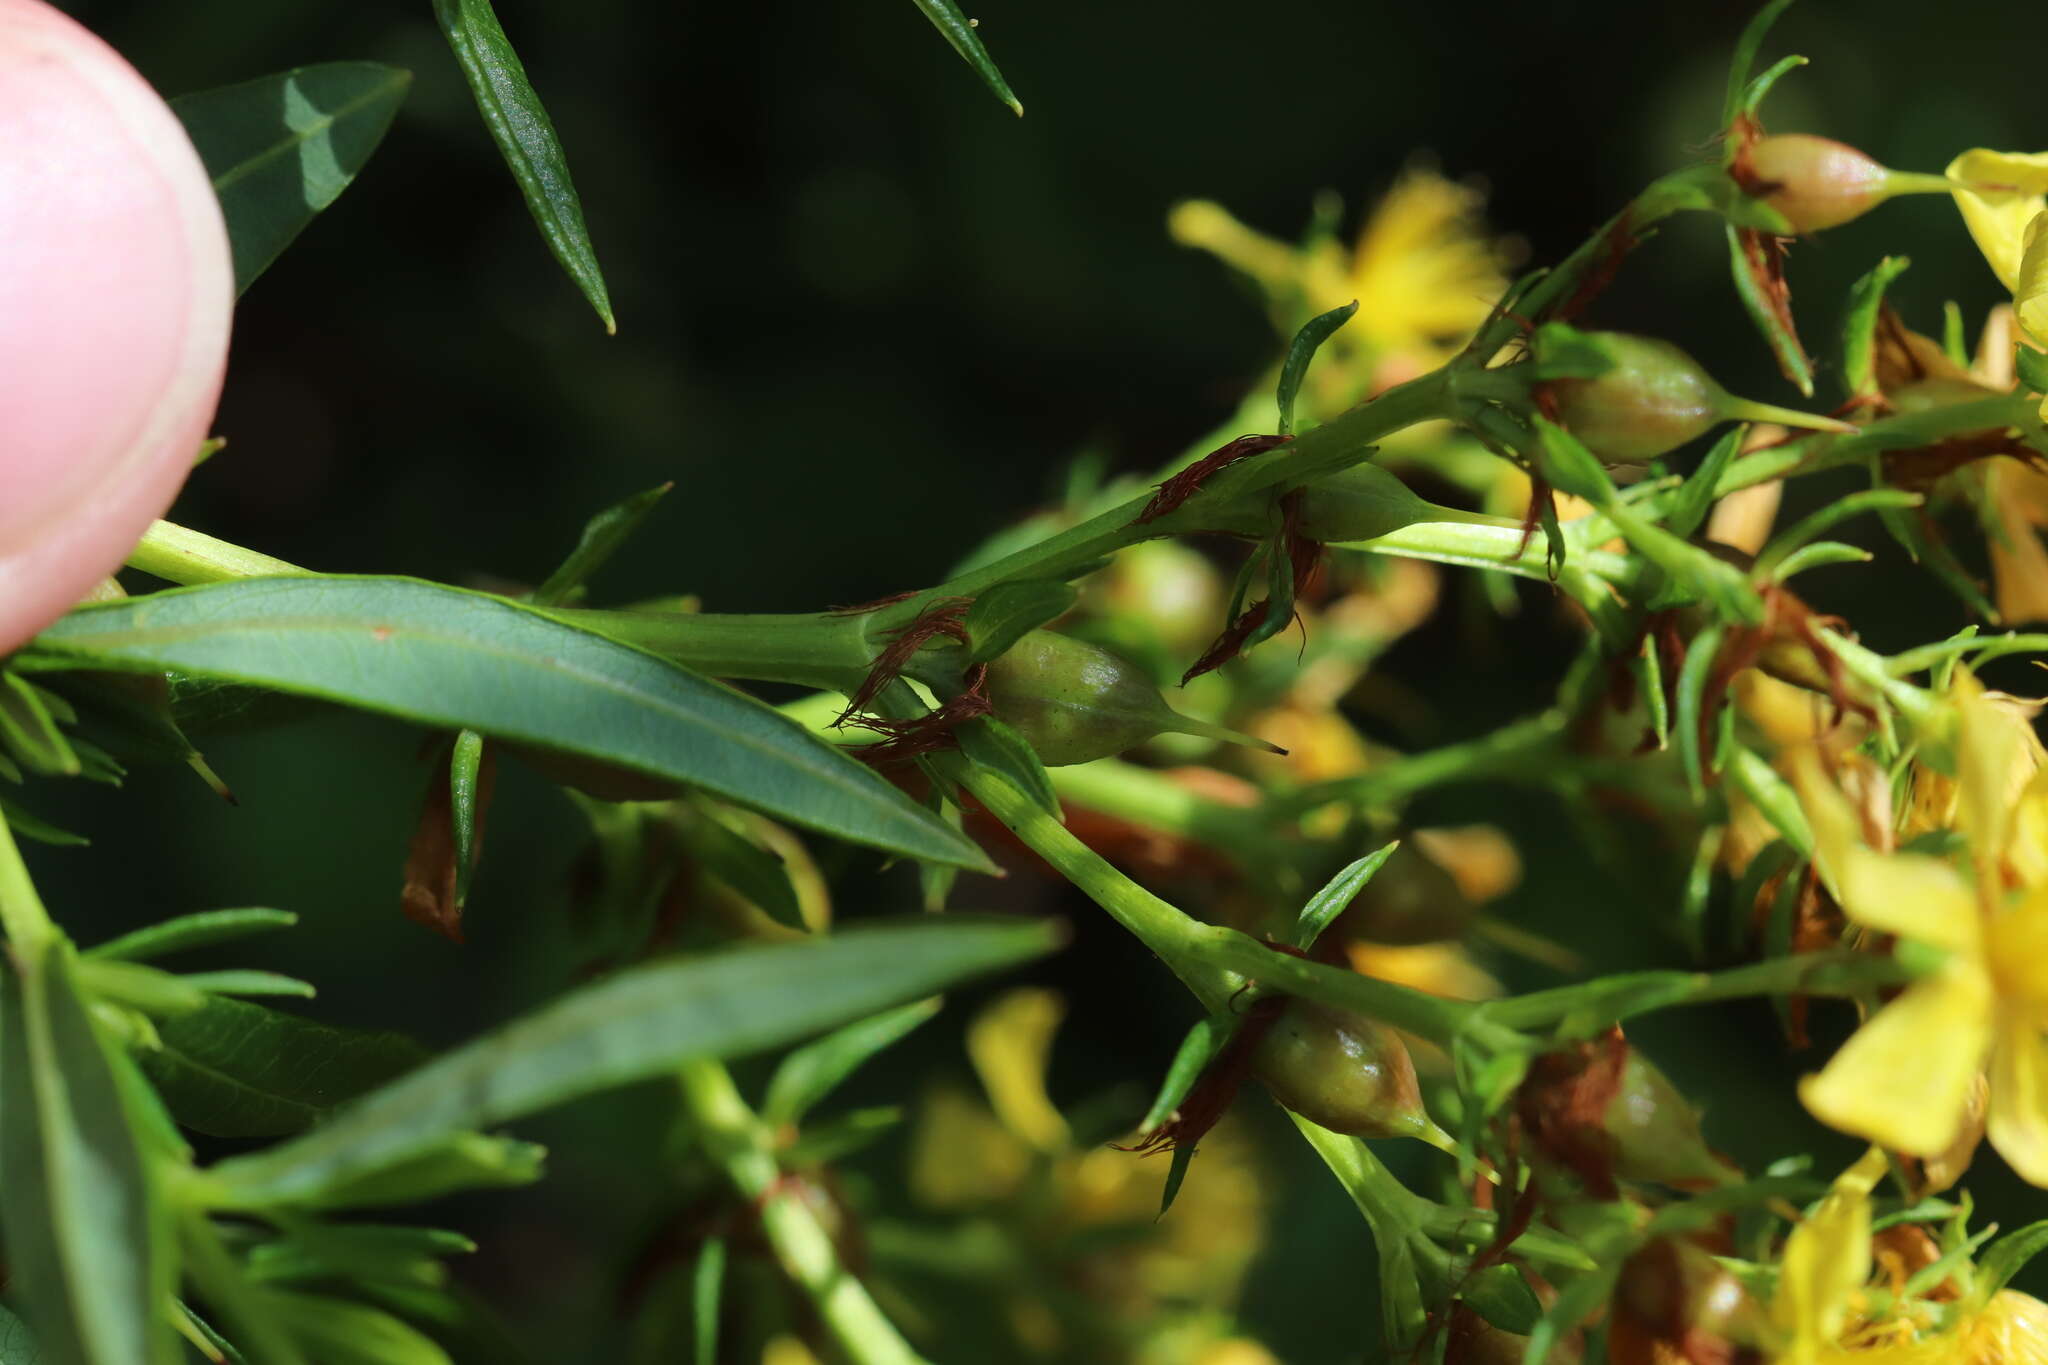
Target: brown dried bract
1169, 496
1616, 241
1562, 1105
947, 617
932, 731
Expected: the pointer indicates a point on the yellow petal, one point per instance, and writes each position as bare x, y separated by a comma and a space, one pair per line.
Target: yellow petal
1200, 223
1904, 1078
2030, 291
1010, 1042
1827, 1258
2017, 953
2018, 1125
1836, 828
1912, 895
2007, 193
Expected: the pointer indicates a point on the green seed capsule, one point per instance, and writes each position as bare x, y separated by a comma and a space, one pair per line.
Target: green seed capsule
1656, 1133
1653, 399
1075, 703
1818, 183
1342, 1071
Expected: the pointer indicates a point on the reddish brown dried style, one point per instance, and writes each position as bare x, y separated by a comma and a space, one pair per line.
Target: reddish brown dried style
1616, 241
946, 617
1175, 491
1304, 557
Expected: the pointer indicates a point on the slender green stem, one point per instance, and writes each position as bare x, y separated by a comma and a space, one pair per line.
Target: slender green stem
739, 1141
828, 651
186, 556
1524, 750
1167, 931
1151, 798
1597, 1004
22, 916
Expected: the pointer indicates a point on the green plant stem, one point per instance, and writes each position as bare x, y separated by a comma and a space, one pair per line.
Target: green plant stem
738, 1140
832, 652
1148, 797
1597, 1004
1526, 750
185, 556
22, 916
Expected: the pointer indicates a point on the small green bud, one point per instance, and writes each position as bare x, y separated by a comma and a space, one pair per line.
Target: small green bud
1602, 1111
1656, 1132
1342, 1071
1817, 183
1074, 702
1652, 399
1366, 501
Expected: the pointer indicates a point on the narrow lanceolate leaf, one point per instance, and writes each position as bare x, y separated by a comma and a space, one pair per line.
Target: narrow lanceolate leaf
1342, 889
233, 1069
452, 659
639, 1023
1300, 351
88, 1241
1859, 327
1203, 1042
947, 19
602, 535
1744, 58
283, 148
813, 1071
200, 930
525, 135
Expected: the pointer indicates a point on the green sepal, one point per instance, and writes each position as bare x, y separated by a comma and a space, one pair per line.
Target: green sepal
991, 744
1776, 329
1859, 327
1008, 612
1300, 352
1688, 509
1753, 93
1744, 58
1176, 1174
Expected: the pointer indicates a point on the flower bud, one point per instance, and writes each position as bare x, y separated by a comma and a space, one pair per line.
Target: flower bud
1342, 1071
1675, 1301
1075, 702
1652, 399
118, 289
1816, 183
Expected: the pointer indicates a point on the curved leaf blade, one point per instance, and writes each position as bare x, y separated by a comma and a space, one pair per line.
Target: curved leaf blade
947, 19
639, 1023
451, 659
88, 1239
525, 135
282, 148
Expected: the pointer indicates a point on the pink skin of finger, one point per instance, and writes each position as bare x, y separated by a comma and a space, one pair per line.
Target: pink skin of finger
116, 290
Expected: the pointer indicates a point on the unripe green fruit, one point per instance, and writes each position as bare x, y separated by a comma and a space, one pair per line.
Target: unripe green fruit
1366, 501
1343, 1072
1817, 183
1656, 1133
1074, 702
1652, 399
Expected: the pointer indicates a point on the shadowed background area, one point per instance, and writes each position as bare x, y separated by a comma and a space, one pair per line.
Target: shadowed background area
866, 317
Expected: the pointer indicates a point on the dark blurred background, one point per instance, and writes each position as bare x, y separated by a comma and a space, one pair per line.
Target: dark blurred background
866, 316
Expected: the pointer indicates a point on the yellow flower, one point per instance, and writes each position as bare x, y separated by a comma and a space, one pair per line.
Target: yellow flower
1825, 1263
2006, 209
1423, 271
1905, 1078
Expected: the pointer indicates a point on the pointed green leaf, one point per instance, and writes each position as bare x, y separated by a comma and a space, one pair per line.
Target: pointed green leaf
525, 135
1300, 352
707, 1286
992, 744
233, 1069
1748, 263
1827, 516
283, 148
338, 1332
1176, 1173
755, 873
1207, 1038
638, 1023
815, 1070
1693, 676
245, 981
1688, 511
959, 30
186, 932
465, 766
1340, 891
357, 1251
30, 732
2032, 366
2009, 1255
451, 659
462, 1161
1859, 327
1008, 612
88, 1237
1744, 59
602, 535
823, 1143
